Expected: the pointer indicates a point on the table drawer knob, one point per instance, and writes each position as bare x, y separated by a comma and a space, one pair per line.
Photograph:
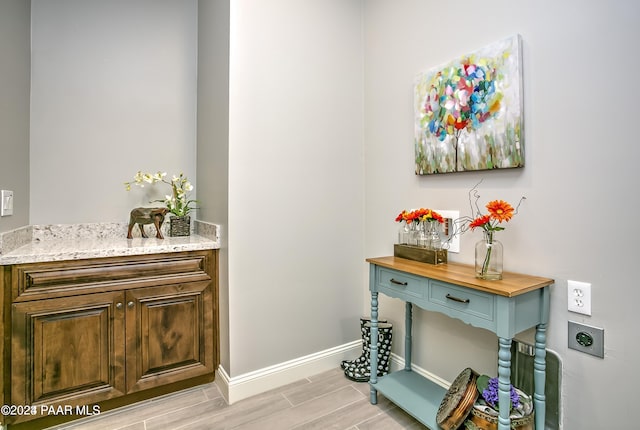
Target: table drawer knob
394, 281
457, 299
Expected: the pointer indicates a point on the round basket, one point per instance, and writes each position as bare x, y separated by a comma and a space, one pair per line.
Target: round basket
484, 421
458, 401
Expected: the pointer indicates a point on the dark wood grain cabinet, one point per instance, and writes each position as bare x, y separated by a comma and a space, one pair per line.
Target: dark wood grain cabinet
108, 331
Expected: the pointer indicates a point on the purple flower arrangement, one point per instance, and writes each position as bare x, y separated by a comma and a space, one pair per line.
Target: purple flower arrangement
488, 388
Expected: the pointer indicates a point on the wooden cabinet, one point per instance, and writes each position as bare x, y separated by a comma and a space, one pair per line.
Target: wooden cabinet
108, 331
169, 332
68, 350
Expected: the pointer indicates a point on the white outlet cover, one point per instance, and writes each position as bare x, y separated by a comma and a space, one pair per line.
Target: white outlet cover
579, 297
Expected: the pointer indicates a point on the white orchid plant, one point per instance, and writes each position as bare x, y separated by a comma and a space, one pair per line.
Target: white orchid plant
178, 201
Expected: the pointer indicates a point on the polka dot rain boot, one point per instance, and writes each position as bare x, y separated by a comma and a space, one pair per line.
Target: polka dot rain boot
360, 372
365, 332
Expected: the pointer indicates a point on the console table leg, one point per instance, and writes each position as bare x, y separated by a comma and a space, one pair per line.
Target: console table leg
504, 382
539, 375
408, 313
373, 354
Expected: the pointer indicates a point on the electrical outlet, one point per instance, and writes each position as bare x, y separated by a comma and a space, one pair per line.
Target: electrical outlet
6, 202
450, 234
587, 339
579, 297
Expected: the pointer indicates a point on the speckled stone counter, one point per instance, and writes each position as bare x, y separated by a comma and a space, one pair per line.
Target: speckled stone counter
34, 244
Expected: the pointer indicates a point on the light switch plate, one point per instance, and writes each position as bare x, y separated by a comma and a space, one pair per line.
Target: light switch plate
6, 202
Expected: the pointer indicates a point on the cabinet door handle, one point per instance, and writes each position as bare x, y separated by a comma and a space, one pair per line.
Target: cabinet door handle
393, 281
130, 304
119, 305
457, 299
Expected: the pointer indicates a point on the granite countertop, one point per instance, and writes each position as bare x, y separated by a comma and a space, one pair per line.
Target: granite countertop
35, 244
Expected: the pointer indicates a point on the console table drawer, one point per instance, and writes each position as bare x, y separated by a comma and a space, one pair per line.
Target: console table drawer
459, 300
401, 283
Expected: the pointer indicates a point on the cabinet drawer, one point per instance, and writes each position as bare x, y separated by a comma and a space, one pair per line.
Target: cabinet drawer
54, 279
402, 284
459, 301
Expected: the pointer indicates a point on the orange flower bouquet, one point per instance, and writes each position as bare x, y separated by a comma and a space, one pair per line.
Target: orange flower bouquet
499, 211
489, 251
420, 228
419, 215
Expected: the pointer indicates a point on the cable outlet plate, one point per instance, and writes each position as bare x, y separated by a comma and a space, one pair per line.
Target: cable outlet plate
579, 297
451, 235
587, 339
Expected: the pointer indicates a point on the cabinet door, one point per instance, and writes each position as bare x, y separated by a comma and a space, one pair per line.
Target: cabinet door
170, 334
68, 351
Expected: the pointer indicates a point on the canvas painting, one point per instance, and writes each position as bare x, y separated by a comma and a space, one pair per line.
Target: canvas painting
468, 112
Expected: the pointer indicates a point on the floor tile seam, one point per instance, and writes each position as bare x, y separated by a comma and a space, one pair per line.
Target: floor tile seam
287, 389
287, 399
381, 410
327, 394
300, 405
328, 413
357, 425
204, 391
297, 425
116, 412
285, 393
223, 409
280, 390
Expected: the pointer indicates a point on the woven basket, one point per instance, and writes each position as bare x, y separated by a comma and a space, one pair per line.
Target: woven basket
180, 226
479, 420
458, 401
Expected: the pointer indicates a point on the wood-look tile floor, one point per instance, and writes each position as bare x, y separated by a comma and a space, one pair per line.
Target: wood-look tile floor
324, 401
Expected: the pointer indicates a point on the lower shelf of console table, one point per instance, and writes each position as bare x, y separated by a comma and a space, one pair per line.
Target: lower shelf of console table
506, 307
417, 395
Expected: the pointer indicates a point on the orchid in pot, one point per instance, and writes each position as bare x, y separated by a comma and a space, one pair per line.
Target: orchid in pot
178, 202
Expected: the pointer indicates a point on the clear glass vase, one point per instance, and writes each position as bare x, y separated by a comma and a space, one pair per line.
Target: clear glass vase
489, 253
429, 235
414, 233
403, 234
433, 236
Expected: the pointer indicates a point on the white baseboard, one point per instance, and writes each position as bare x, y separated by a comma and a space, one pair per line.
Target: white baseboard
259, 381
397, 363
262, 380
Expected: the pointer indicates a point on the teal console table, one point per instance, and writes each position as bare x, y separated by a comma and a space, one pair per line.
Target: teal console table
506, 307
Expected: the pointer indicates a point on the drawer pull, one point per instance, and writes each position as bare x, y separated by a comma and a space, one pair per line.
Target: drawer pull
130, 305
393, 281
119, 305
457, 299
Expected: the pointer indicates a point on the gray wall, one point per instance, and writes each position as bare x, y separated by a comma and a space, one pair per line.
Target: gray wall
302, 210
296, 172
580, 179
15, 55
213, 140
113, 92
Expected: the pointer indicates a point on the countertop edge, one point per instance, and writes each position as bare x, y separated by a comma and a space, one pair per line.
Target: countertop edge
84, 241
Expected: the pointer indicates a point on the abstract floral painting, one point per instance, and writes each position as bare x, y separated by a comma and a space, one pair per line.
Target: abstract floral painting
468, 113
